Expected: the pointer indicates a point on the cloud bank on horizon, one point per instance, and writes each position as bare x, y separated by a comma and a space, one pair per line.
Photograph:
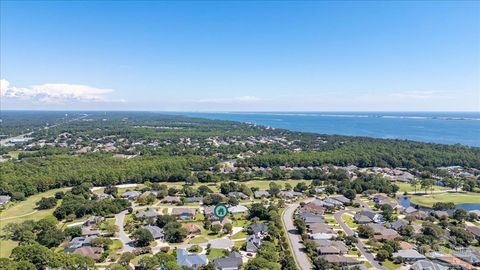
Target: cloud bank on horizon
53, 93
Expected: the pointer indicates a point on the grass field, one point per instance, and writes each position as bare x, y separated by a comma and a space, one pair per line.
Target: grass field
19, 212
455, 197
406, 187
25, 210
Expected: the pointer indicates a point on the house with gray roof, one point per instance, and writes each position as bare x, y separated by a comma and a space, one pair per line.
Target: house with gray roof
192, 260
409, 210
150, 213
397, 225
427, 265
238, 195
132, 195
366, 216
155, 231
332, 202
79, 242
231, 262
253, 243
289, 194
260, 194
258, 228
237, 209
312, 218
341, 199
171, 199
193, 199
409, 255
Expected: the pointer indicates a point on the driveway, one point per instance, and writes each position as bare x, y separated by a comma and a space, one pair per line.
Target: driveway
122, 236
364, 204
360, 245
294, 238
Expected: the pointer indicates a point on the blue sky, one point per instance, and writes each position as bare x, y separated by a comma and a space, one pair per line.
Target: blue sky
233, 56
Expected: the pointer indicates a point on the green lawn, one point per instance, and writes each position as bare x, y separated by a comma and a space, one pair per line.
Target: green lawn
240, 223
239, 235
215, 253
354, 252
239, 244
116, 245
390, 265
198, 240
455, 197
6, 248
349, 221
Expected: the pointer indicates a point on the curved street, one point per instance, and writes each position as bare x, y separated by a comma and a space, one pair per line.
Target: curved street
122, 236
294, 238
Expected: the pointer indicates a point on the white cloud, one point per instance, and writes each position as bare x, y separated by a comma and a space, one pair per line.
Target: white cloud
233, 100
54, 93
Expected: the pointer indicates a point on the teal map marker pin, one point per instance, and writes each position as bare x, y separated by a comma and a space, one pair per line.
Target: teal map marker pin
220, 211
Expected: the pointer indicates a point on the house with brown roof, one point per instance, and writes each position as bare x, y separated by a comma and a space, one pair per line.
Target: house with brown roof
94, 253
312, 208
383, 234
450, 260
191, 228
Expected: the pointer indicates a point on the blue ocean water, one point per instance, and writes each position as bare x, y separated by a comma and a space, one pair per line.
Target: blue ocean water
445, 128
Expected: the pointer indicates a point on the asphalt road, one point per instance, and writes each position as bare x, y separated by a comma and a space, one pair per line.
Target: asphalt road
360, 245
122, 236
295, 240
